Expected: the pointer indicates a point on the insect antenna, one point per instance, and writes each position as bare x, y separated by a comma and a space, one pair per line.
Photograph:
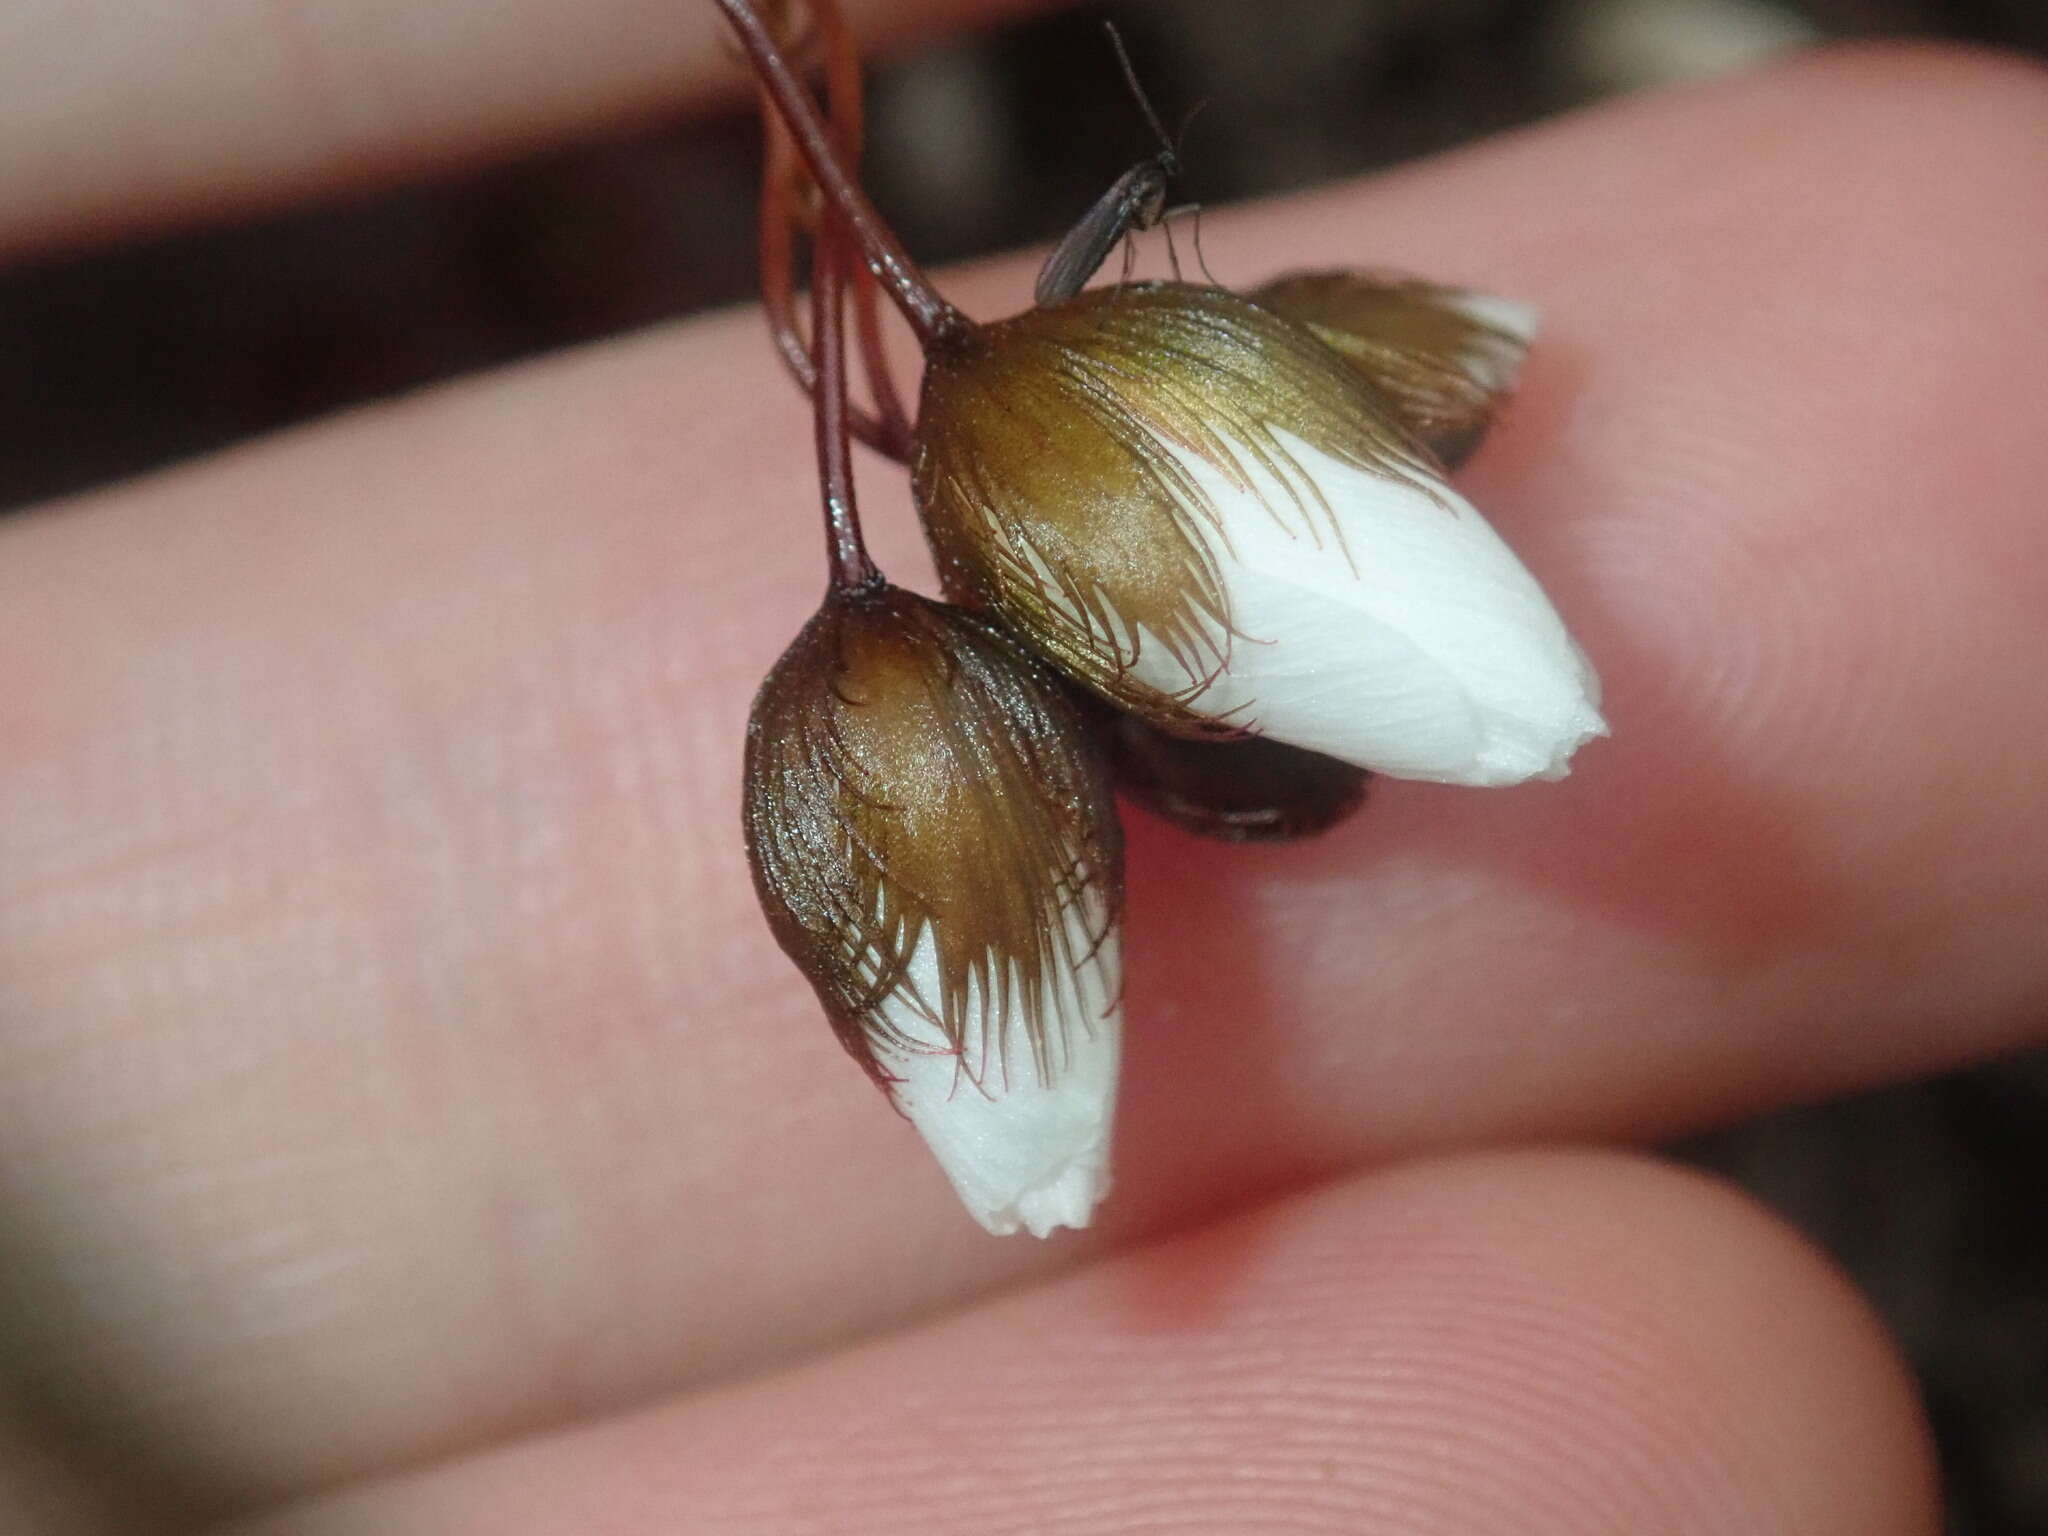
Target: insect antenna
1169, 151
1166, 219
1135, 201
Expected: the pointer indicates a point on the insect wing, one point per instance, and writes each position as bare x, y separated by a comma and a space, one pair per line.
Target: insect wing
1087, 245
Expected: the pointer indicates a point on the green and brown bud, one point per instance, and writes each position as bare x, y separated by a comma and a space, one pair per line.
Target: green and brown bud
1247, 791
1444, 358
935, 844
1051, 472
1214, 520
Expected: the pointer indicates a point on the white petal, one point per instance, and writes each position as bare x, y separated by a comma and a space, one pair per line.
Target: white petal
1490, 361
1020, 1150
1520, 320
1387, 627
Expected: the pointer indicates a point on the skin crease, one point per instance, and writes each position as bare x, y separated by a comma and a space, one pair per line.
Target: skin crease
393, 1064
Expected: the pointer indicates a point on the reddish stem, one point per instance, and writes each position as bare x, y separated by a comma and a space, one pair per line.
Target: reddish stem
781, 187
894, 436
852, 570
843, 91
931, 318
778, 248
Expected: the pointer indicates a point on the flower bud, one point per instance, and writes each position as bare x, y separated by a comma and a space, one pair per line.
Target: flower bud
1444, 358
1251, 790
935, 845
1207, 515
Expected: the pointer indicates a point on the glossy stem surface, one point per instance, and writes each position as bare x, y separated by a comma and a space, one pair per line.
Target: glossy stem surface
931, 318
782, 184
787, 208
852, 570
777, 242
843, 94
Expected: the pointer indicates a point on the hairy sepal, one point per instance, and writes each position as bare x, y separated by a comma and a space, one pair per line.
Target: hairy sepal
1212, 519
935, 844
1443, 358
1051, 473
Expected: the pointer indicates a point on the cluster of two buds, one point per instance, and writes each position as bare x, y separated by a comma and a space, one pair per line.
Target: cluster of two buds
1165, 516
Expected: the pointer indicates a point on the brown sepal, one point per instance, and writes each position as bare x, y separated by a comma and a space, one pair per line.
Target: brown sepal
1443, 370
911, 771
1251, 790
1048, 494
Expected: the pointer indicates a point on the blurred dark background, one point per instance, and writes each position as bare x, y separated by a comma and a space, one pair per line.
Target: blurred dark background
1934, 1196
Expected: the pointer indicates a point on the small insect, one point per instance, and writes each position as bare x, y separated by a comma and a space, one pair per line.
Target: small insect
1136, 200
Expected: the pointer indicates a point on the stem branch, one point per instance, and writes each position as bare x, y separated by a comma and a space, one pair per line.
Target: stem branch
931, 317
843, 94
852, 570
782, 184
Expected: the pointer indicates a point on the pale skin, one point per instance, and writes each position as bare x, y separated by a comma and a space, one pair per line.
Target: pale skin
407, 1125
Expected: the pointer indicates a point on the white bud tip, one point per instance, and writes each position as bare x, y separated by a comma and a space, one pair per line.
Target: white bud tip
1022, 1152
1512, 316
1381, 620
1067, 1199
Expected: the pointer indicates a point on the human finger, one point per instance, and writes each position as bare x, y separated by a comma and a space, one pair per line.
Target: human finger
386, 1009
1525, 1345
119, 114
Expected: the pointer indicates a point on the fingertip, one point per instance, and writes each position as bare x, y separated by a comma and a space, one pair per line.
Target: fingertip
1526, 1344
1711, 1348
1970, 75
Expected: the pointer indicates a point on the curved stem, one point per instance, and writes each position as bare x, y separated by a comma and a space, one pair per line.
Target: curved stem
843, 92
930, 316
852, 570
894, 435
778, 249
781, 186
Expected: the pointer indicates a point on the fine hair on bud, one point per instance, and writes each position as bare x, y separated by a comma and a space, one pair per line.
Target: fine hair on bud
1053, 473
1443, 357
1216, 521
934, 841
